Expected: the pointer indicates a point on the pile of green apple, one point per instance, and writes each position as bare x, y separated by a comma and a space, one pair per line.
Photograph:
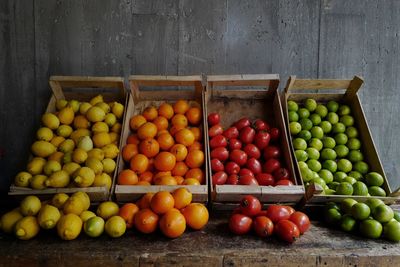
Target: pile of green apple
328, 150
372, 219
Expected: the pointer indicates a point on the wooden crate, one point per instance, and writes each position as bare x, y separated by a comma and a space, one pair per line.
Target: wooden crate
296, 89
138, 100
81, 88
253, 103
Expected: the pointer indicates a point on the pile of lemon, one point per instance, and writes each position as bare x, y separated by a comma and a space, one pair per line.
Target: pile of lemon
68, 214
76, 146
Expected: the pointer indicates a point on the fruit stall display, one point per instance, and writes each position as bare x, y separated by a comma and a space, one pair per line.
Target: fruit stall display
372, 219
332, 146
172, 213
247, 141
163, 139
77, 145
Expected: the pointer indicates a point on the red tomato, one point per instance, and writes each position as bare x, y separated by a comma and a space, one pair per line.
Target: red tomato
284, 182
260, 125
301, 220
232, 168
261, 139
217, 165
250, 205
262, 213
245, 171
252, 151
265, 179
290, 209
243, 122
271, 165
231, 132
287, 231
219, 178
215, 130
218, 141
238, 156
220, 153
275, 134
254, 165
277, 213
247, 180
247, 134
235, 144
240, 224
233, 179
213, 118
281, 174
263, 226
272, 152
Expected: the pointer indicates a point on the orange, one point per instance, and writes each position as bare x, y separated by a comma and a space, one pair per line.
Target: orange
150, 113
165, 180
162, 132
173, 224
139, 163
127, 177
146, 177
164, 161
179, 179
181, 106
185, 137
133, 139
196, 146
175, 128
150, 167
166, 141
149, 147
179, 151
196, 215
197, 133
129, 151
166, 110
57, 156
179, 120
127, 212
161, 123
195, 159
162, 202
144, 183
190, 181
194, 115
182, 198
80, 121
195, 173
136, 121
144, 201
180, 169
146, 221
147, 130
161, 174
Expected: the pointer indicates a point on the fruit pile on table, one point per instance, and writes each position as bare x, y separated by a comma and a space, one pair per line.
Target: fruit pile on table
329, 151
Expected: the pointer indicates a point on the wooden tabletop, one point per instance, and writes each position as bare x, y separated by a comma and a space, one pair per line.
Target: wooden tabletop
213, 246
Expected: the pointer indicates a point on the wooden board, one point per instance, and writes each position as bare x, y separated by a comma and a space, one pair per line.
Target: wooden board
140, 99
81, 89
298, 90
255, 103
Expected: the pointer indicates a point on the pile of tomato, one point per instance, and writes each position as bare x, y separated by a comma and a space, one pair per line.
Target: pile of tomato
283, 221
165, 146
247, 153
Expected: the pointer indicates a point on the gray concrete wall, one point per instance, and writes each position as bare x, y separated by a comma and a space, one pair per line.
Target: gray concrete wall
308, 38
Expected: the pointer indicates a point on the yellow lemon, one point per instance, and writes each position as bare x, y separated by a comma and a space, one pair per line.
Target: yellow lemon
115, 226
30, 206
38, 181
84, 177
95, 165
67, 146
99, 127
43, 149
114, 137
71, 167
74, 104
116, 128
101, 139
44, 134
58, 179
50, 121
86, 215
84, 198
84, 107
110, 151
57, 140
85, 143
59, 200
117, 109
78, 134
104, 106
110, 119
48, 216
107, 209
101, 180
79, 155
69, 226
26, 228
51, 166
57, 156
95, 114
9, 219
75, 205
61, 103
108, 165
22, 179
96, 153
64, 131
96, 99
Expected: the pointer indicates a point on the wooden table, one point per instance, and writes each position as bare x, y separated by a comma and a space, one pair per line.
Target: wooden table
214, 246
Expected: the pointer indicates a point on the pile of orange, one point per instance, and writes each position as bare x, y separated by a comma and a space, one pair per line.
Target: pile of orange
165, 147
171, 212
